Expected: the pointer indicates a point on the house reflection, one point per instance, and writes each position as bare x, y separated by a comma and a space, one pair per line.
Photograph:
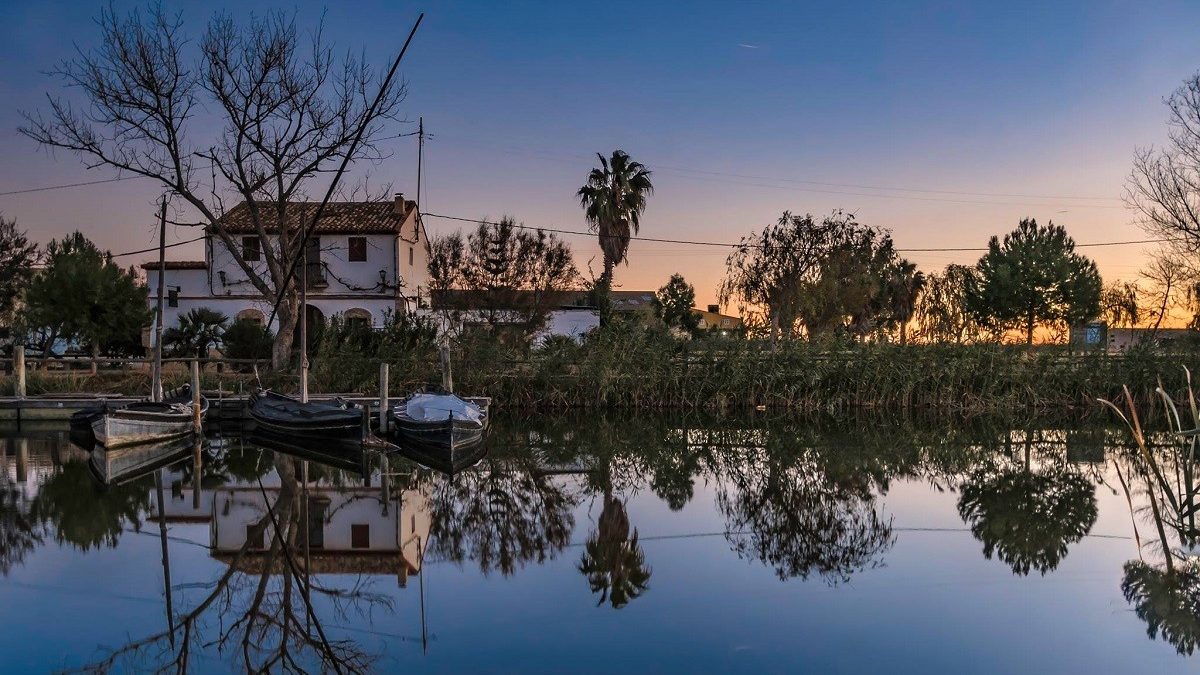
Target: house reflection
347, 530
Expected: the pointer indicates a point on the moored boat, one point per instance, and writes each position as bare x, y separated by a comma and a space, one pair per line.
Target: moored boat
82, 420
276, 413
452, 425
145, 422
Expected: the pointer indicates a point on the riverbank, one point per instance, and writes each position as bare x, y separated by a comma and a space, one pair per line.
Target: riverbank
975, 379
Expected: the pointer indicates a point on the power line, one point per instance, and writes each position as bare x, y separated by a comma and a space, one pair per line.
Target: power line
68, 185
727, 244
155, 248
560, 157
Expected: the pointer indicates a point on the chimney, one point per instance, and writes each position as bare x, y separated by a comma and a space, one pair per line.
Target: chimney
714, 309
398, 209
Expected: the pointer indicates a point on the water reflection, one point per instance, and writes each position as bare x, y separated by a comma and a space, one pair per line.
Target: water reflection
306, 539
1028, 516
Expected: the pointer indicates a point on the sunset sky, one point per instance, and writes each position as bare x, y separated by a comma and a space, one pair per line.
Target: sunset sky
943, 123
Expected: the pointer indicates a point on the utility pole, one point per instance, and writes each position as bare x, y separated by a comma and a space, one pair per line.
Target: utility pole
156, 376
420, 161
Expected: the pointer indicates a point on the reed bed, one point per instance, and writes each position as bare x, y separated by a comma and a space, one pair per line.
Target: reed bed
645, 369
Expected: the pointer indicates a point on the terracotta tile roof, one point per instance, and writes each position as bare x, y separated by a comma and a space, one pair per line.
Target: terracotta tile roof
177, 265
338, 217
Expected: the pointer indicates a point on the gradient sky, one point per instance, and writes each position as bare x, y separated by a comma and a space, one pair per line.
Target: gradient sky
742, 110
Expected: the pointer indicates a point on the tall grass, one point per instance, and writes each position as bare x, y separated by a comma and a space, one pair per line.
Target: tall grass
626, 366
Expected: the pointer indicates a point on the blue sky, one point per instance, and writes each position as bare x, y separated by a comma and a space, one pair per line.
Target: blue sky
742, 110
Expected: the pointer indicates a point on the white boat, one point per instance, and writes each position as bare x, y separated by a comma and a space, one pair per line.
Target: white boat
442, 421
145, 422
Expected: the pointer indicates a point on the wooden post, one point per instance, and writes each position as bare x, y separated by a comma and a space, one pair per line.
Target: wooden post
156, 392
366, 421
19, 367
196, 395
383, 397
447, 376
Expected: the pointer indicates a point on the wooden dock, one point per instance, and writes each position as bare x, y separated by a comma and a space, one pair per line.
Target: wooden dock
223, 406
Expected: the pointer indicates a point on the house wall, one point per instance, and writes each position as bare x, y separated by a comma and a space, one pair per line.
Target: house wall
569, 322
343, 276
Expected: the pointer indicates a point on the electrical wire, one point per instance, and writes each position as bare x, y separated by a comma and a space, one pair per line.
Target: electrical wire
727, 244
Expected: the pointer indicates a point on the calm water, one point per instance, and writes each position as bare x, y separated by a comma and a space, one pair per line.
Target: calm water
585, 545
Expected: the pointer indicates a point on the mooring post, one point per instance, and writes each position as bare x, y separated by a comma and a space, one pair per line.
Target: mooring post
383, 397
366, 421
196, 395
19, 367
447, 376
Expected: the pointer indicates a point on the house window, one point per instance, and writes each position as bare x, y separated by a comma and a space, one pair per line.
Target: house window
358, 249
251, 249
410, 256
357, 317
360, 535
172, 297
254, 537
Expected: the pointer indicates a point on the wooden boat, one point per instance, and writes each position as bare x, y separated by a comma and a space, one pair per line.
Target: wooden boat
81, 420
120, 465
280, 414
452, 426
146, 422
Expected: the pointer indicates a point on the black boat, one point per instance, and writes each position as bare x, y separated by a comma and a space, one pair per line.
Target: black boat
280, 414
453, 427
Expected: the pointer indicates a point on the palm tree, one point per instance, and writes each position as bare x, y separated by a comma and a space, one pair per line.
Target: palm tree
198, 330
904, 288
613, 200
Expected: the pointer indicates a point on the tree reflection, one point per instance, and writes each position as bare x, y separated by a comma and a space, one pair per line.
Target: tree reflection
789, 510
86, 515
1028, 519
20, 532
263, 602
1168, 600
1158, 481
613, 561
500, 514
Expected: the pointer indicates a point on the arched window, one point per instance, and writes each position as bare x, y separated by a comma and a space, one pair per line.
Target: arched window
252, 315
357, 316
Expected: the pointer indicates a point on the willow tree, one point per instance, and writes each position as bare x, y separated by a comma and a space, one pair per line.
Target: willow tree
613, 199
941, 311
827, 275
1031, 277
254, 112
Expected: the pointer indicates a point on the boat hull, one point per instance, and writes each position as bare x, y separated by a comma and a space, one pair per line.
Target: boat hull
283, 415
123, 428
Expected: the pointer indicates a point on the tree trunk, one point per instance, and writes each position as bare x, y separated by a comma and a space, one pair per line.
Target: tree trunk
604, 289
904, 332
1029, 330
95, 357
281, 349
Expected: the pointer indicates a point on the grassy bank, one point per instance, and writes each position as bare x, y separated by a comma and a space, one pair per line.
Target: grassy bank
628, 369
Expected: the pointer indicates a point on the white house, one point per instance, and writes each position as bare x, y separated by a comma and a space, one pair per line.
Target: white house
365, 260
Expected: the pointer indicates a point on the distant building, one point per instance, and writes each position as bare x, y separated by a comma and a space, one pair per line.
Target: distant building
713, 319
1097, 335
365, 260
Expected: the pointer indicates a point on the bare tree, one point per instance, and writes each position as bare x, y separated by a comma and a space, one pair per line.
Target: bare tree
1164, 186
257, 115
1170, 280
